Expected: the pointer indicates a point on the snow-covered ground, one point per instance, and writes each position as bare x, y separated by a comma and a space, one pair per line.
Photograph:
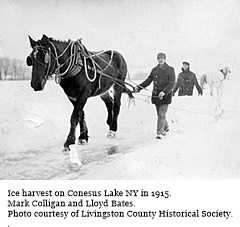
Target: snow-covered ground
34, 126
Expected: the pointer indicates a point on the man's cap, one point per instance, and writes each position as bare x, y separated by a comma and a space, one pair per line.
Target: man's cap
161, 55
186, 63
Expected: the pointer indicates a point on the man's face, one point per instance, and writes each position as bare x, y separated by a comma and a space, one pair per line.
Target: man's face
185, 66
161, 60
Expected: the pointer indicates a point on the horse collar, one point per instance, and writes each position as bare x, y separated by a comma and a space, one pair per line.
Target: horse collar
74, 66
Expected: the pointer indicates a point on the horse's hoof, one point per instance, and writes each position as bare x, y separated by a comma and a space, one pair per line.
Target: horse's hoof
82, 142
111, 134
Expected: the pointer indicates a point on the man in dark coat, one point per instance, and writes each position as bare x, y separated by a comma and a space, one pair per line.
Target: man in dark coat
186, 81
163, 78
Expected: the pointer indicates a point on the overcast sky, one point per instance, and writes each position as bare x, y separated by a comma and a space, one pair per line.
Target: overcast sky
204, 32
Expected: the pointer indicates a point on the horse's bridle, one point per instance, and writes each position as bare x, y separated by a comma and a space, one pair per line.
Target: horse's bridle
56, 70
47, 59
49, 55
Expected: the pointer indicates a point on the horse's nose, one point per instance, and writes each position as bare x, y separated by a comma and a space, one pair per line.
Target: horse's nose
37, 86
32, 84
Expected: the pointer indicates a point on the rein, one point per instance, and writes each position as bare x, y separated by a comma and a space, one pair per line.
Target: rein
86, 55
115, 80
72, 56
77, 60
48, 64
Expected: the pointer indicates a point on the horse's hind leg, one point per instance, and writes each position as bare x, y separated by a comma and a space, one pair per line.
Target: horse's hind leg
109, 104
83, 138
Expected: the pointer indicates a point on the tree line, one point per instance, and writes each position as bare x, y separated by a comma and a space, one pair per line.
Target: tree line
14, 69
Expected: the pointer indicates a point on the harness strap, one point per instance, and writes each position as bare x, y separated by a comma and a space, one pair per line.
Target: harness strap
109, 63
77, 63
78, 52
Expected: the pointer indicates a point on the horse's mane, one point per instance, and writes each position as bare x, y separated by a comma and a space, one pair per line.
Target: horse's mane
60, 41
65, 43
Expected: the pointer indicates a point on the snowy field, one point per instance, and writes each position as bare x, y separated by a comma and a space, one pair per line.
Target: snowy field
34, 126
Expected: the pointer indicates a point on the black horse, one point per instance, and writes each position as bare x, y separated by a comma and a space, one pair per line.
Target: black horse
81, 74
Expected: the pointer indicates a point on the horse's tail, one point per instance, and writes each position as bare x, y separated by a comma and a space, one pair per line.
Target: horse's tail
128, 92
203, 80
123, 73
131, 98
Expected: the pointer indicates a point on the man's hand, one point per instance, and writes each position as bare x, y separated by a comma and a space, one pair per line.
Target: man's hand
161, 95
200, 93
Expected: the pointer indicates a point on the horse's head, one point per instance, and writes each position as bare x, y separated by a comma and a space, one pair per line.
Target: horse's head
40, 60
225, 72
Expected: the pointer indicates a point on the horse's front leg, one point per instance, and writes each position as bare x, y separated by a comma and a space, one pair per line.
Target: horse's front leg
83, 138
116, 109
75, 119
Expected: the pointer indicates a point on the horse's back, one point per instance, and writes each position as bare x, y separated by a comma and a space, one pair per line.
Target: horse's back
112, 63
212, 77
112, 70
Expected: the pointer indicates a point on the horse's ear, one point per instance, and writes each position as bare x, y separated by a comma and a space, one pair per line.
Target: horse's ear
45, 40
32, 42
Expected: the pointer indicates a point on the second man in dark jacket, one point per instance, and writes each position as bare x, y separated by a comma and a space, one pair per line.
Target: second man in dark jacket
186, 82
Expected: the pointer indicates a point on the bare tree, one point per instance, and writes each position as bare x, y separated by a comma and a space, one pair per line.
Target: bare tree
13, 69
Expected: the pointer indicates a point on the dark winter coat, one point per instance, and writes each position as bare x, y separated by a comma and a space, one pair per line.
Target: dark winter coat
186, 82
163, 79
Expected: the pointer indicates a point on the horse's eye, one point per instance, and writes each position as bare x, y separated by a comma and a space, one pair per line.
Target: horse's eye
29, 61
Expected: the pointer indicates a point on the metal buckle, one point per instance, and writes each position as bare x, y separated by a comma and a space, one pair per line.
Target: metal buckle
58, 78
